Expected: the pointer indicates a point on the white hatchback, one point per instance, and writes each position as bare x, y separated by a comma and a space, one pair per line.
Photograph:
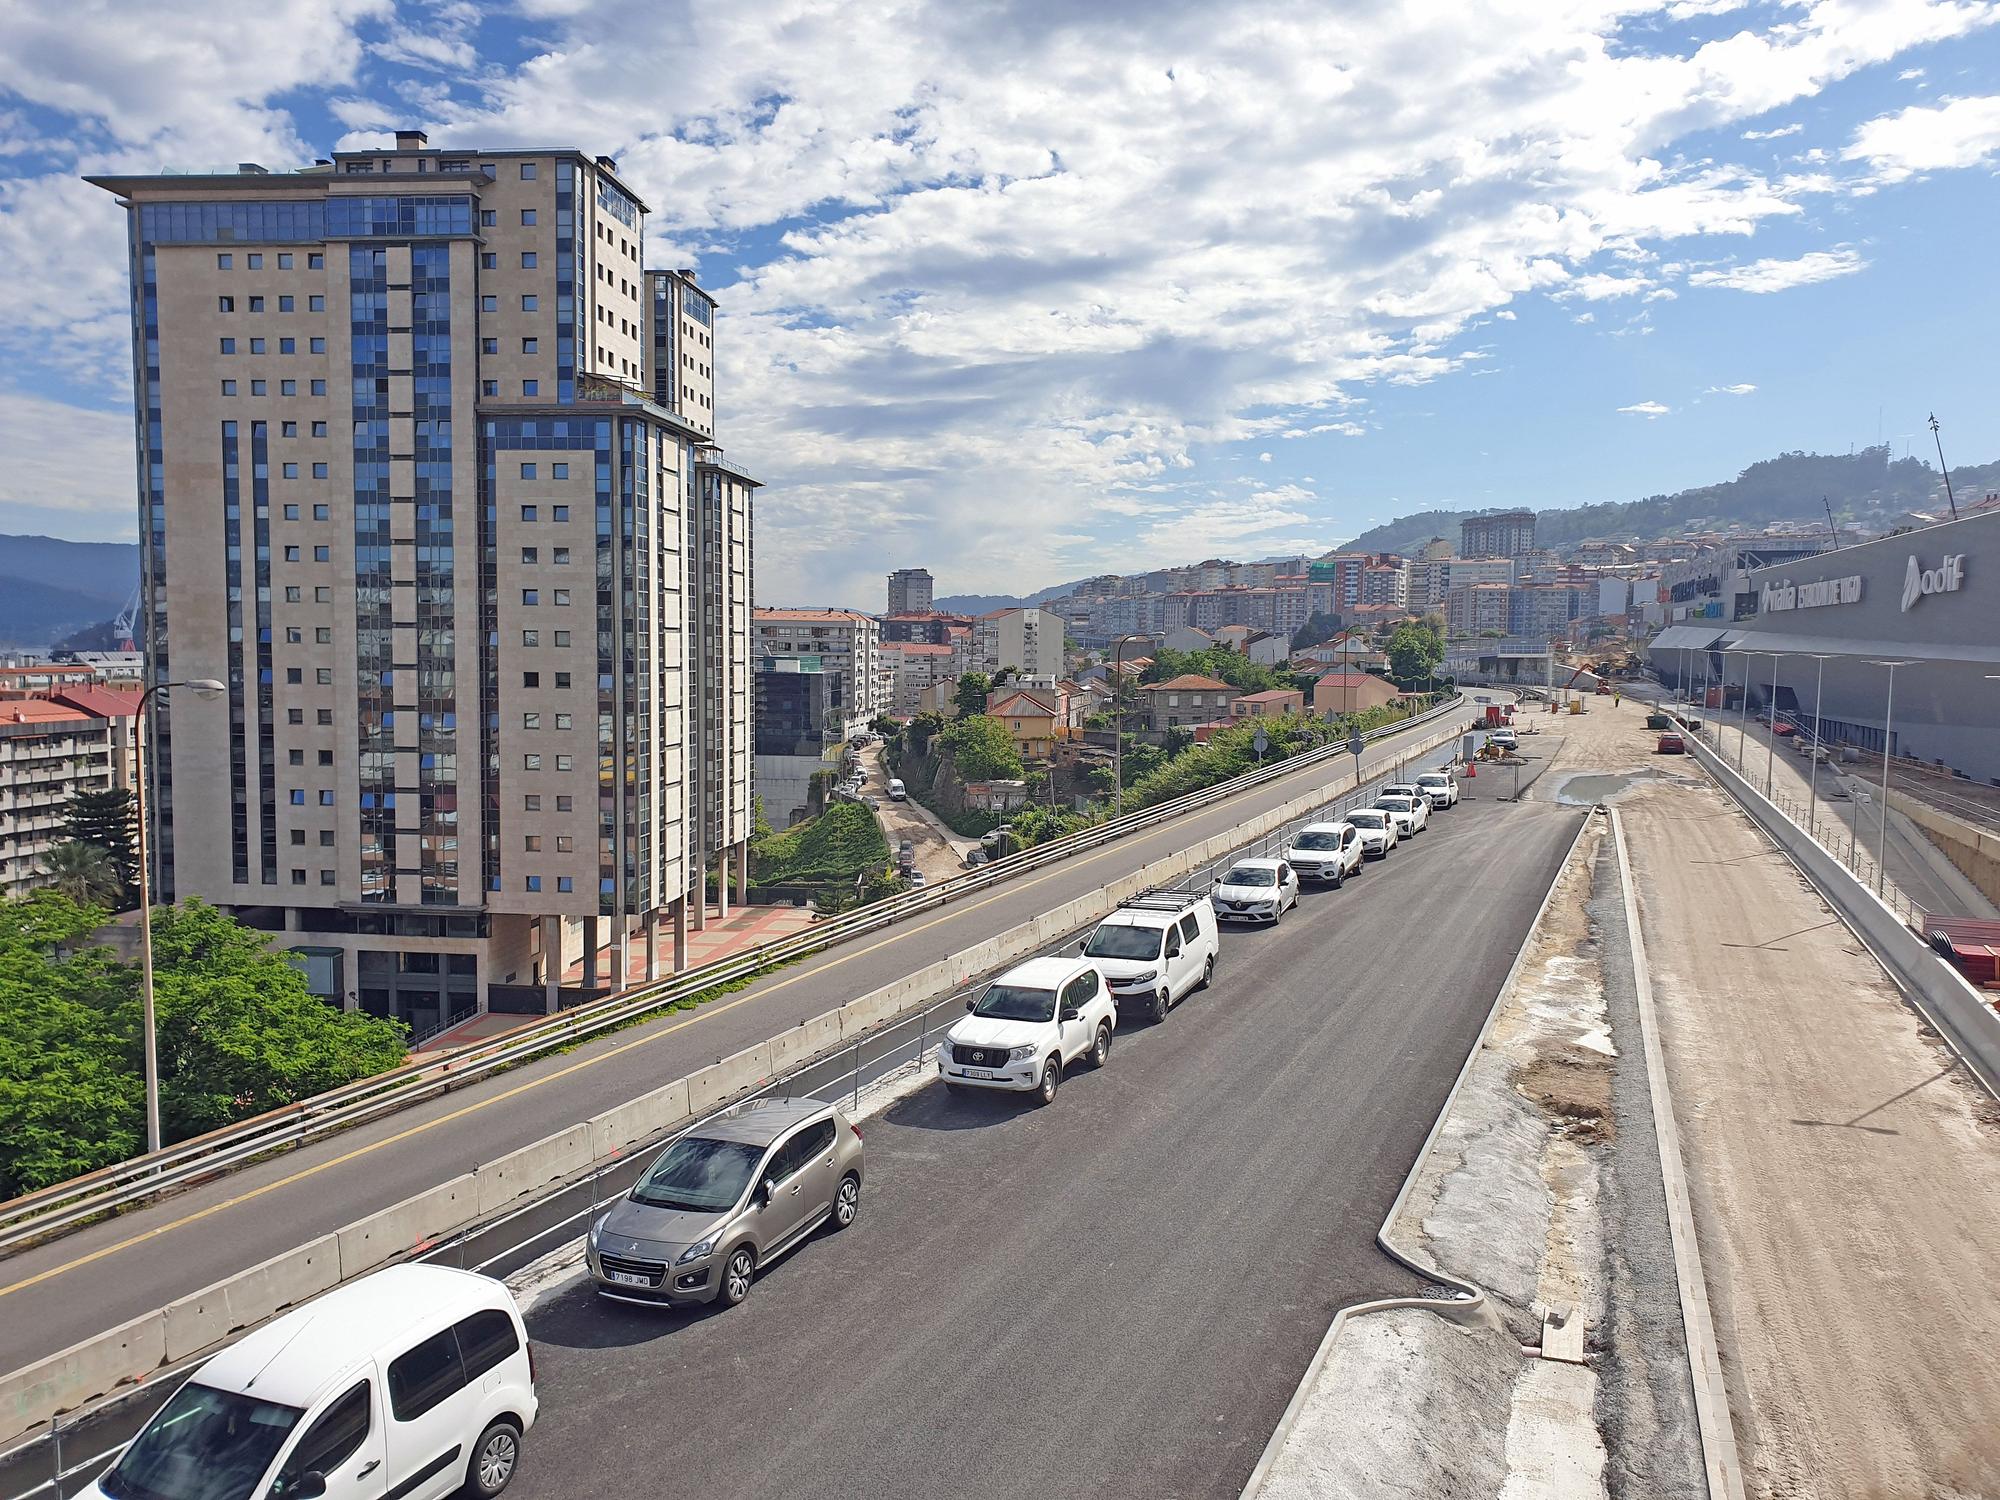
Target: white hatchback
1256, 890
1439, 787
1379, 833
1411, 813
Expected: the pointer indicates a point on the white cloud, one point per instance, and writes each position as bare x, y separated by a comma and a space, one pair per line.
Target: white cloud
42, 476
1961, 133
1909, 73
1773, 134
1742, 389
1783, 275
1263, 458
1647, 409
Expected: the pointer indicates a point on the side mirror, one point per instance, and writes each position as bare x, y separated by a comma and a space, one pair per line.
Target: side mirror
1069, 1013
311, 1486
767, 1190
970, 1004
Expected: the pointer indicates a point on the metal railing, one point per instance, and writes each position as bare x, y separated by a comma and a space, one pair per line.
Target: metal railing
49, 1210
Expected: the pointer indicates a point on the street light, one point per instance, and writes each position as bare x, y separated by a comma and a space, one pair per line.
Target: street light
1771, 739
1743, 718
201, 687
1888, 718
1118, 723
1819, 740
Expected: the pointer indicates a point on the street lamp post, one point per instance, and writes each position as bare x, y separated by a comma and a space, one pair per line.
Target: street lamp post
1743, 718
201, 687
1771, 739
1118, 723
1818, 744
1888, 720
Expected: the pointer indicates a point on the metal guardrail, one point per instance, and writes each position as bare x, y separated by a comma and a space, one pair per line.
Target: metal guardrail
49, 1210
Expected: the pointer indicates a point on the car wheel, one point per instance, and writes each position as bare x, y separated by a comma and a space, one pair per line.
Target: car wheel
1163, 1001
737, 1272
1100, 1052
493, 1461
846, 1201
1339, 879
1207, 971
1051, 1081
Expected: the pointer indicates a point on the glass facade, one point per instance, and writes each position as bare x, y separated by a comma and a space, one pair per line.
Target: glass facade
404, 217
232, 555
282, 221
437, 665
267, 755
374, 632
569, 207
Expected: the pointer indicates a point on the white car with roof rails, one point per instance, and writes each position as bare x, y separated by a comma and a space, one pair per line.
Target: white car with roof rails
1379, 832
1029, 1026
1412, 814
1155, 950
416, 1382
1441, 787
1256, 890
1326, 853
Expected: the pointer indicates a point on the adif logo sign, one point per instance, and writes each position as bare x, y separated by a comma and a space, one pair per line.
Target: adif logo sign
1945, 578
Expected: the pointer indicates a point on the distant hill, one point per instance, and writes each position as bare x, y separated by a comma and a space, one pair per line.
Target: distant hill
50, 587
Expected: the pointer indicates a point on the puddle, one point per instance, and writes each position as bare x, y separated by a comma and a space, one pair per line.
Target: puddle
1590, 788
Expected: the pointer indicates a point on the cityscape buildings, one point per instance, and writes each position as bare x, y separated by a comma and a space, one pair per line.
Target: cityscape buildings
428, 478
1507, 533
909, 592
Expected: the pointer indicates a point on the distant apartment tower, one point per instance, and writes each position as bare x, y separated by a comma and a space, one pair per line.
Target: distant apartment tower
910, 591
77, 738
848, 646
1029, 641
426, 479
1507, 533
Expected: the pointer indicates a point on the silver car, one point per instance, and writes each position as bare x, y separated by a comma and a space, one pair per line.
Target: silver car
725, 1200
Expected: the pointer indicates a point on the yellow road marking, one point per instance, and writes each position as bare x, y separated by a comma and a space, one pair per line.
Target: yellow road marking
950, 913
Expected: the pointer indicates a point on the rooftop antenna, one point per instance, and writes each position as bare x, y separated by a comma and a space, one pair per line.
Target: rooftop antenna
1950, 499
1831, 529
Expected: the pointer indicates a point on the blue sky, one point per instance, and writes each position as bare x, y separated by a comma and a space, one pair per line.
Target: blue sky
1024, 291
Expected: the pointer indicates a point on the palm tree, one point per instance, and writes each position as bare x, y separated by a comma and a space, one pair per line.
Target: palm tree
85, 873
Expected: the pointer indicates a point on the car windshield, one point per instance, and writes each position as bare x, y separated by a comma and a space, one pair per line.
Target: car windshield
205, 1444
1317, 841
699, 1175
1393, 804
1250, 875
1122, 941
1013, 1002
1366, 820
1432, 781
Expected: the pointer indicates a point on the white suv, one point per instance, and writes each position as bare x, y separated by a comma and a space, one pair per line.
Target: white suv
1032, 1022
1328, 852
1439, 787
1155, 950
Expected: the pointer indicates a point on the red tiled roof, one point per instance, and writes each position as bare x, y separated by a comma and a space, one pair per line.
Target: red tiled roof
1272, 695
1188, 682
916, 648
104, 702
40, 711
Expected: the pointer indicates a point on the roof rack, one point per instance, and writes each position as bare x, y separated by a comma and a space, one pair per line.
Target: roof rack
1161, 901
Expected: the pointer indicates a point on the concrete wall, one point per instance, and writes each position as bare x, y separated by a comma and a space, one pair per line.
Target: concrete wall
1973, 849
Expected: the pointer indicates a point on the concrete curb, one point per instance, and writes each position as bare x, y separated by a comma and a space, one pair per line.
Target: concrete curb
1711, 1396
1458, 1309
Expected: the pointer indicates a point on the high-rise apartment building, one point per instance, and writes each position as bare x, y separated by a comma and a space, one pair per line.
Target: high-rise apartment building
910, 591
1028, 641
427, 477
848, 645
1507, 533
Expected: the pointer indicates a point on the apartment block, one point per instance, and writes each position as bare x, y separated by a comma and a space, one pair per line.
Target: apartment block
1030, 641
848, 647
427, 476
1507, 533
79, 739
910, 591
1432, 579
915, 666
1475, 608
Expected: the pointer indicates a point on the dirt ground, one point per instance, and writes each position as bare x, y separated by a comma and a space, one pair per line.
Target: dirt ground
940, 853
1845, 1173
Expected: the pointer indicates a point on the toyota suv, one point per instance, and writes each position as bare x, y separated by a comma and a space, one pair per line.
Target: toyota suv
1439, 787
725, 1200
1379, 833
1154, 950
1031, 1024
1326, 852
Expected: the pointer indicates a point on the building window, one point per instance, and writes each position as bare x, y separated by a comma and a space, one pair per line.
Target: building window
527, 471
292, 597
532, 843
529, 555
565, 844
489, 262
288, 346
257, 387
559, 471
319, 428
322, 554
531, 388
288, 388
316, 345
565, 884
489, 346
530, 302
323, 716
531, 721
560, 512
565, 763
562, 596
489, 304
527, 171
254, 261
228, 387
319, 387
531, 763
531, 597
532, 802
224, 263
565, 721
288, 429
528, 513
560, 556
531, 679
489, 387
291, 554
527, 217
534, 882
298, 798
296, 758
315, 303
256, 304
326, 877
229, 346
315, 261
322, 595
565, 803
291, 471
323, 635
531, 638
225, 304
562, 638
528, 262
488, 218
562, 679
319, 472
295, 716
298, 877
285, 261
326, 799
285, 303
323, 676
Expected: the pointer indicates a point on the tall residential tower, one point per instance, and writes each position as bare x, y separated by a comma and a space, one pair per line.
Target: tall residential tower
420, 482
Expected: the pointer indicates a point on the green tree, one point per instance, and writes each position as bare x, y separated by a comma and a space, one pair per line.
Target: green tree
970, 694
84, 873
1219, 662
1415, 652
883, 725
1317, 631
982, 750
883, 884
239, 1031
920, 731
108, 819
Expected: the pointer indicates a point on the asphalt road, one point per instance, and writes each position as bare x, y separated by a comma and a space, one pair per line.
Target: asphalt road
1114, 1296
66, 1291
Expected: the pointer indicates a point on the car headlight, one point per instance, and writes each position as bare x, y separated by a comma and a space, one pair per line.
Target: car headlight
1020, 1054
597, 1230
695, 1252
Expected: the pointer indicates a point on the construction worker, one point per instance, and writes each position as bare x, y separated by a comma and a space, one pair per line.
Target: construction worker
1617, 697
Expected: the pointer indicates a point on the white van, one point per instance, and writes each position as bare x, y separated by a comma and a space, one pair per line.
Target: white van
896, 793
414, 1382
1154, 950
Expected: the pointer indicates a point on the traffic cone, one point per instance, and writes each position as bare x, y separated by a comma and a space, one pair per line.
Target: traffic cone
1471, 769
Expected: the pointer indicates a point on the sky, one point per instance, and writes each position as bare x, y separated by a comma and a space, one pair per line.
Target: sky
1025, 291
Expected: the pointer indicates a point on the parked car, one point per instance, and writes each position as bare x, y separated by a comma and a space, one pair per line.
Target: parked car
1670, 744
916, 878
1029, 1026
1326, 852
896, 790
1155, 950
415, 1381
1379, 833
725, 1200
1413, 814
1505, 738
1256, 890
1441, 787
974, 858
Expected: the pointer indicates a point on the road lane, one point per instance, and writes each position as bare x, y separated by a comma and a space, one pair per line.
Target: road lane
1114, 1296
58, 1294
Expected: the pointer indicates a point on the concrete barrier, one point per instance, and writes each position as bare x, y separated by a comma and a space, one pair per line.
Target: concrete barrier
803, 1042
718, 1082
121, 1356
196, 1321
1965, 1018
414, 1224
641, 1118
547, 1160
282, 1281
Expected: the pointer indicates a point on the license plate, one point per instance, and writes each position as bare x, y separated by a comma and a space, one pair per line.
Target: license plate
629, 1278
978, 1073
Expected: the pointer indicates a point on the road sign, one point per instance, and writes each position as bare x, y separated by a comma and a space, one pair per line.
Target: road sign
1355, 746
1260, 742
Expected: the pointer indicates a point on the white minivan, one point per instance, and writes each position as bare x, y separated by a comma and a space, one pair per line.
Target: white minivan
1155, 950
414, 1382
897, 792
